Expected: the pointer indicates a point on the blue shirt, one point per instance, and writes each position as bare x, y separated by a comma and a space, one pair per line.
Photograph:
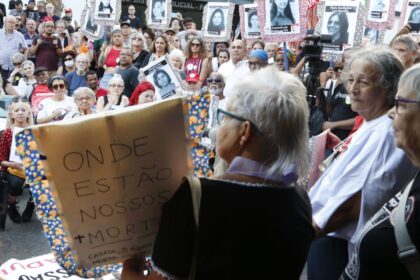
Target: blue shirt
75, 81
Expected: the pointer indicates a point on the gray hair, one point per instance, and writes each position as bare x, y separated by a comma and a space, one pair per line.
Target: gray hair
275, 102
386, 63
410, 80
177, 53
83, 55
116, 78
18, 57
81, 90
28, 62
139, 34
407, 40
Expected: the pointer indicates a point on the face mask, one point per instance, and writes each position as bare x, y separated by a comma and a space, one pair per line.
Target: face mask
69, 63
216, 92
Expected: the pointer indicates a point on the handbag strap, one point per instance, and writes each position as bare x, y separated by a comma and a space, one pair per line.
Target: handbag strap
407, 251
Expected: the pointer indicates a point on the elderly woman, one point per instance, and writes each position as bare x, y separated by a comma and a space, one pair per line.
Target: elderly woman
255, 220
138, 47
56, 107
376, 253
114, 99
26, 84
77, 78
85, 100
16, 74
364, 175
144, 93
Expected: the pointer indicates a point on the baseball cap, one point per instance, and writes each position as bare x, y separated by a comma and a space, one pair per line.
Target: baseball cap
67, 10
170, 30
193, 77
127, 22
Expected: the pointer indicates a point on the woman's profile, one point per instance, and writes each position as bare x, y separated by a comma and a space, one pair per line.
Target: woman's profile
253, 22
163, 82
337, 26
217, 21
281, 13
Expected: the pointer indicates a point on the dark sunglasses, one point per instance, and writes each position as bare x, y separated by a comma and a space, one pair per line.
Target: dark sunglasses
17, 64
68, 59
61, 86
195, 45
210, 81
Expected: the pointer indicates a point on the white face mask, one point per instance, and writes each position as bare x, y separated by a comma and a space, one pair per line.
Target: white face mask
216, 91
69, 63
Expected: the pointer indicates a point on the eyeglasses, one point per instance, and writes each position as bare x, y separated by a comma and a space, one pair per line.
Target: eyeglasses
68, 59
17, 64
116, 86
137, 38
19, 99
221, 113
195, 45
61, 86
84, 98
82, 62
399, 100
210, 81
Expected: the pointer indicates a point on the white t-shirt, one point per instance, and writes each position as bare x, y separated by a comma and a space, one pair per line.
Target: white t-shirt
48, 106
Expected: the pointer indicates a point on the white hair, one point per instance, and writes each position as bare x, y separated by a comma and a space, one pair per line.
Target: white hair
81, 90
116, 78
410, 80
275, 102
177, 53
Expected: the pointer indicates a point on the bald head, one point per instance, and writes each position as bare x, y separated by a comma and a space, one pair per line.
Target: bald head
238, 51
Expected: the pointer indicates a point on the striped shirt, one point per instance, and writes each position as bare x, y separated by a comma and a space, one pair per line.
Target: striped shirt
9, 45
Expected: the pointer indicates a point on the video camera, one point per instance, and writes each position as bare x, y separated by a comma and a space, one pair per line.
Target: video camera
313, 52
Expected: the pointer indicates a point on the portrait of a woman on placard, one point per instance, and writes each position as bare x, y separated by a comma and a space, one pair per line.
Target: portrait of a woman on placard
158, 10
216, 21
281, 13
414, 15
337, 26
105, 7
253, 22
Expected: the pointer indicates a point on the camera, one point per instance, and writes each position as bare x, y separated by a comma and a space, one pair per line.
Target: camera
313, 52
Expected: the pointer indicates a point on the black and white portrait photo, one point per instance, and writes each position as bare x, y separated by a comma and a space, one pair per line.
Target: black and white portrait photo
90, 26
105, 9
252, 22
158, 10
158, 13
163, 77
378, 10
412, 16
339, 21
216, 23
282, 17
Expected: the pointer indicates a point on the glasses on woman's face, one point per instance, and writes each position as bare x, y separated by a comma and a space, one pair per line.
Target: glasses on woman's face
16, 64
116, 86
137, 38
195, 45
399, 100
59, 86
17, 99
222, 113
68, 59
87, 98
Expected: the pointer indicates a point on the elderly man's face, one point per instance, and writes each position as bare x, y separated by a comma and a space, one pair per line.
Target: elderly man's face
30, 25
11, 24
215, 84
406, 122
238, 51
256, 63
85, 101
402, 51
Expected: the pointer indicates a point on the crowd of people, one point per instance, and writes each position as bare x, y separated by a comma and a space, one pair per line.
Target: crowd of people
257, 216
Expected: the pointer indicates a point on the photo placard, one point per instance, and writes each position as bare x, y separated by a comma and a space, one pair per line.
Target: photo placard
107, 11
163, 78
250, 23
158, 13
90, 28
380, 14
411, 14
217, 21
283, 20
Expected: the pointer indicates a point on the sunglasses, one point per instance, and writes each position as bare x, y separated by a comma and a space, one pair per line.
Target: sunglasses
68, 59
17, 64
137, 38
210, 81
61, 86
195, 45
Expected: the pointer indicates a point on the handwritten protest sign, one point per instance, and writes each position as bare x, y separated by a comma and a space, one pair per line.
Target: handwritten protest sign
110, 175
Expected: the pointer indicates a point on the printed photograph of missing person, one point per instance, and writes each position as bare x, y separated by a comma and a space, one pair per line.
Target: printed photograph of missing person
252, 27
106, 9
337, 27
414, 15
281, 13
164, 83
378, 6
158, 10
90, 26
216, 21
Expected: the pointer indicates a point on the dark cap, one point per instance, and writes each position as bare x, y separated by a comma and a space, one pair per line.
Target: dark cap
127, 22
187, 20
169, 30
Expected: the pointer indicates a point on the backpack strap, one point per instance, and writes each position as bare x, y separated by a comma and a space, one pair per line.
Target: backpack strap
407, 251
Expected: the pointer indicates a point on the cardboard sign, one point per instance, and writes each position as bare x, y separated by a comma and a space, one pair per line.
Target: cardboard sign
111, 174
41, 267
